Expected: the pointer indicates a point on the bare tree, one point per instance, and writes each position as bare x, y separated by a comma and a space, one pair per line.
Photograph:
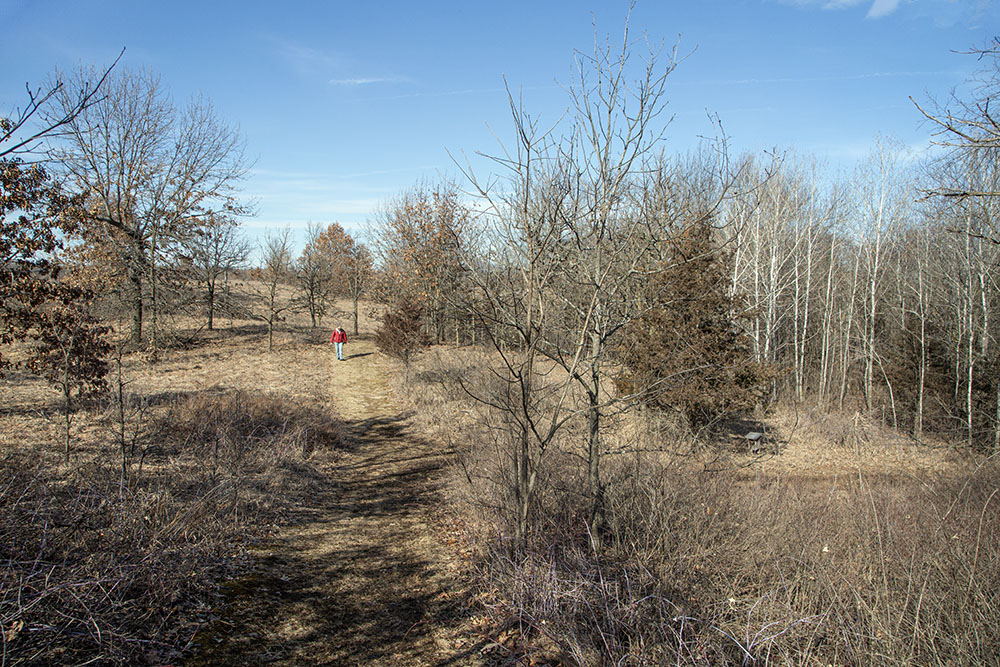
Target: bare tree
19, 137
215, 249
151, 173
275, 271
916, 288
570, 234
881, 210
615, 130
515, 270
970, 126
357, 272
764, 221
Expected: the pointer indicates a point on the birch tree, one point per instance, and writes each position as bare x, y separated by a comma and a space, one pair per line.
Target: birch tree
881, 210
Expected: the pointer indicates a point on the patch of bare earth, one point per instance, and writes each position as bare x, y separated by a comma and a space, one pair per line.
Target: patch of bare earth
361, 577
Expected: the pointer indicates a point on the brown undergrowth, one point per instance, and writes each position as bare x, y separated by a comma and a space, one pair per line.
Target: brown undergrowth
856, 548
117, 557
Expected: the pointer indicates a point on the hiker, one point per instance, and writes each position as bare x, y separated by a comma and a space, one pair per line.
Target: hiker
338, 339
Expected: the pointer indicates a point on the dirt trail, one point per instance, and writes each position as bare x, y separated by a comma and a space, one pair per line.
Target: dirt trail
362, 580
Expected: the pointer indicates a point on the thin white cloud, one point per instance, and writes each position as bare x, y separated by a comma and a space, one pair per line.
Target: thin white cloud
304, 57
364, 81
317, 62
325, 179
447, 93
878, 9
823, 4
817, 79
453, 93
295, 197
882, 8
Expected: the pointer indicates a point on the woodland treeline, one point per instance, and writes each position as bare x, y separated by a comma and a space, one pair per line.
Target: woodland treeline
588, 242
874, 291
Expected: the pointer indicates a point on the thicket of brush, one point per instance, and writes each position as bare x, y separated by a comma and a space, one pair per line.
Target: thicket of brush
105, 563
730, 566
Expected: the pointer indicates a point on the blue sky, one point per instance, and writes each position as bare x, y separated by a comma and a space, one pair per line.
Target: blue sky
345, 104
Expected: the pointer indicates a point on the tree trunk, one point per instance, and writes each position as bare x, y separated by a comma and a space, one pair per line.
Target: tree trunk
153, 297
521, 493
996, 426
826, 345
66, 394
355, 300
918, 418
211, 302
594, 468
135, 295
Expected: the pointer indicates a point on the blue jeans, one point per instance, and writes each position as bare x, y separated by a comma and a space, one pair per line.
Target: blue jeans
340, 350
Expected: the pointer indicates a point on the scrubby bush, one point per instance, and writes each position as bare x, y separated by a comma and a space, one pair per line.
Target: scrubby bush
731, 565
401, 334
719, 569
105, 569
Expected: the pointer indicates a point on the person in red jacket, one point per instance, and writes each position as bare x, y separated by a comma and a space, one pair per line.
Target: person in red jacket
338, 339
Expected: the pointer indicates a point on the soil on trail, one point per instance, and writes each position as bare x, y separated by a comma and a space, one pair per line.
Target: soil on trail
361, 578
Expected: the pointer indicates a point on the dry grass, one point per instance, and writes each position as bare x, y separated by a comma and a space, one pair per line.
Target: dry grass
854, 545
121, 564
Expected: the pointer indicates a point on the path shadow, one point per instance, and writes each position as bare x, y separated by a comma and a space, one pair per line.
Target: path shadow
375, 430
349, 586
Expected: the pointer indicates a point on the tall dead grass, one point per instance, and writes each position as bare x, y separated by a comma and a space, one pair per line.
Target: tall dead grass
104, 569
741, 566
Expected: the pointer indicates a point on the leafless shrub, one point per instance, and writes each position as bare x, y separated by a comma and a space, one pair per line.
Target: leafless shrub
242, 429
872, 570
734, 567
93, 570
855, 431
100, 570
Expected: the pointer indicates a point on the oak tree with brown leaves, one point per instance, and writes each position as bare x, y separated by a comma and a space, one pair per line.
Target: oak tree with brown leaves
417, 242
333, 264
401, 335
35, 215
153, 174
314, 274
47, 314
